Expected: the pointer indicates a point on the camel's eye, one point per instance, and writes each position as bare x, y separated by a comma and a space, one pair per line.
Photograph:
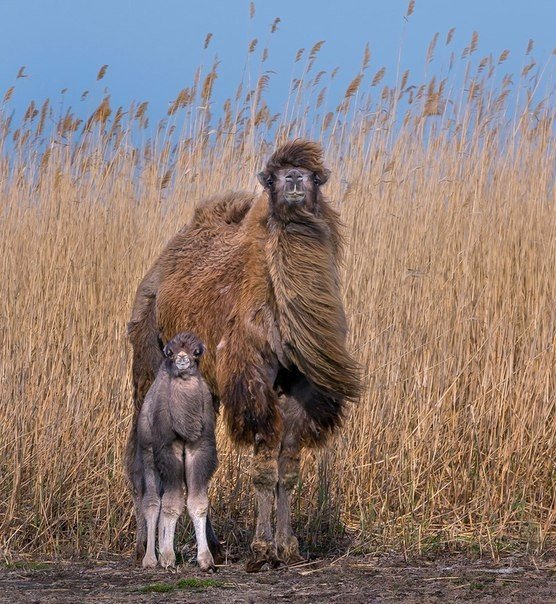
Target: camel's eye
168, 352
269, 181
197, 353
316, 180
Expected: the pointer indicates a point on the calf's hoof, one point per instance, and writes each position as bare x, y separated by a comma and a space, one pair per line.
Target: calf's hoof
149, 561
206, 562
167, 559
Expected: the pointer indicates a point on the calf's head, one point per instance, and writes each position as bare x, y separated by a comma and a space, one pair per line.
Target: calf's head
182, 354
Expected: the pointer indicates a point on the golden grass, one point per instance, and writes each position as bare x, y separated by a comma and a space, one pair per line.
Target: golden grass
450, 285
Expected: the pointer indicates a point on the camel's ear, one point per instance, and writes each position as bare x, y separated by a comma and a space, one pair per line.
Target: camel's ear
324, 176
265, 179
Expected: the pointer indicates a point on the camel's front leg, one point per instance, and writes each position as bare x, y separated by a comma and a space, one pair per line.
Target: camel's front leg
246, 380
264, 470
288, 476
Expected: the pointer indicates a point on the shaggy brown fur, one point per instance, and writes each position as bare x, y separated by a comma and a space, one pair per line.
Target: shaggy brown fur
256, 277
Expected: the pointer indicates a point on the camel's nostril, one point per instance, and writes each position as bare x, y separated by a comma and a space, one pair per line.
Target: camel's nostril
294, 187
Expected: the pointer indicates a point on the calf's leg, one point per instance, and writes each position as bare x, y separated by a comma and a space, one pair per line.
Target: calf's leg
150, 507
173, 500
200, 463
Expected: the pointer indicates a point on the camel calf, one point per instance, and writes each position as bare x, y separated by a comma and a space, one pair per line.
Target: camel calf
176, 449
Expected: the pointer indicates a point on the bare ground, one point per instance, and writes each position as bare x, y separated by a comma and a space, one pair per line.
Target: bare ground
348, 579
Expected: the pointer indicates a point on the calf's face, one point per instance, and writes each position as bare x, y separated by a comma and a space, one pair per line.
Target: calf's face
182, 354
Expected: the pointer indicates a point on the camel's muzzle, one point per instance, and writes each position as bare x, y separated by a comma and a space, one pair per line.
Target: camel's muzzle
294, 190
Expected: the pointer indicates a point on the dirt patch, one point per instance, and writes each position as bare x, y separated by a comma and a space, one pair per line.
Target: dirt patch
349, 579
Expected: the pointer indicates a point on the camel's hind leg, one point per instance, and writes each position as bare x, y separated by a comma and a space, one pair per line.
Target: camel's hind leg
265, 478
200, 463
288, 476
173, 501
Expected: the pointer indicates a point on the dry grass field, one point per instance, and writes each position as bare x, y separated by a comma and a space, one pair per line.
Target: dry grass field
448, 198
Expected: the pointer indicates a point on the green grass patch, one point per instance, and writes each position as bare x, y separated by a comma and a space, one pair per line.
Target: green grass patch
158, 588
195, 584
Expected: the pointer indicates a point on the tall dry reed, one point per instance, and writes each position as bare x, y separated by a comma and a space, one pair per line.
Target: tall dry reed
447, 193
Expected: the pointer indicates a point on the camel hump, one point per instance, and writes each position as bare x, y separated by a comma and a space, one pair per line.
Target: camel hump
220, 210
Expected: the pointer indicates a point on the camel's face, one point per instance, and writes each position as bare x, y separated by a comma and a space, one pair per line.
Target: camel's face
183, 353
292, 188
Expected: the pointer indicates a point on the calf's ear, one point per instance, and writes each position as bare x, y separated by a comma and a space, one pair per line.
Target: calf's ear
265, 179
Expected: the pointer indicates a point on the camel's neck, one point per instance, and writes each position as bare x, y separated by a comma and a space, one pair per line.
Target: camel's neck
301, 257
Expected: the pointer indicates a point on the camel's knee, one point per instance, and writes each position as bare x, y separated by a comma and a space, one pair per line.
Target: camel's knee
172, 511
150, 504
289, 469
265, 478
198, 505
264, 470
289, 480
173, 504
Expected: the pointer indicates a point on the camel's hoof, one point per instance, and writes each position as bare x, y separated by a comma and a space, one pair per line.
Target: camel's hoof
263, 554
288, 551
256, 565
292, 558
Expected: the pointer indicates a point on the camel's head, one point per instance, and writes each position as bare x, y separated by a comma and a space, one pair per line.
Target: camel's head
183, 353
293, 177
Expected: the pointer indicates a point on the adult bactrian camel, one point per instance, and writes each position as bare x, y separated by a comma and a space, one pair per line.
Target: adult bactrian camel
257, 278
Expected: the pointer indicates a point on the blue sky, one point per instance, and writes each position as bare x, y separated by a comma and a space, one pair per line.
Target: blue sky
153, 48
